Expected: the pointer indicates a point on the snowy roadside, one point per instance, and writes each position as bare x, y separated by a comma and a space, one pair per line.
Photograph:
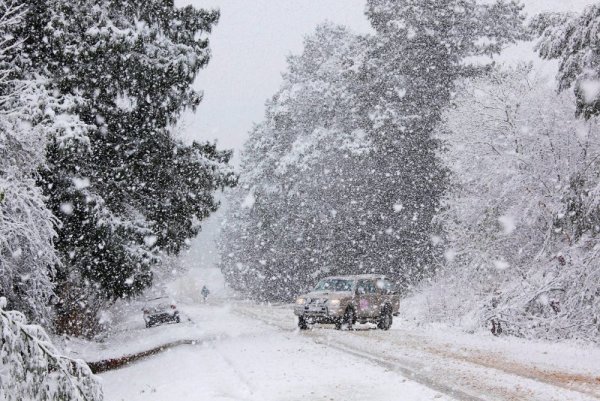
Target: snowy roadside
133, 337
126, 333
569, 357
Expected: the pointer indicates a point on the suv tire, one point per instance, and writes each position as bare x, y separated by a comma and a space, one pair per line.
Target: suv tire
302, 325
386, 319
348, 319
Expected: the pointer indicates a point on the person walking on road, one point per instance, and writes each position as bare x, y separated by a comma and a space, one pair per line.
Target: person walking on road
204, 293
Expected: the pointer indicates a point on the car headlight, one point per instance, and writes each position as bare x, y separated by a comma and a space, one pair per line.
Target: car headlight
300, 301
334, 302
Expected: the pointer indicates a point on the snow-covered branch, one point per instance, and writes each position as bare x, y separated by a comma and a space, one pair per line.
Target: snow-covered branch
32, 368
521, 215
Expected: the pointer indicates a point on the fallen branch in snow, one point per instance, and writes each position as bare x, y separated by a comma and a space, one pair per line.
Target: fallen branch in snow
116, 363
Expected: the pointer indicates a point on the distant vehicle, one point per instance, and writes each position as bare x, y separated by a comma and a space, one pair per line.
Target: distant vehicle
160, 310
344, 300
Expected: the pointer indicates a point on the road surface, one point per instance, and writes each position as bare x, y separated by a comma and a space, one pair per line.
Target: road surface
250, 352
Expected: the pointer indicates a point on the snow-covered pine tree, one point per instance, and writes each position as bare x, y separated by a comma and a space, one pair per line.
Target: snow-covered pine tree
295, 213
33, 369
29, 113
319, 208
420, 49
574, 41
136, 191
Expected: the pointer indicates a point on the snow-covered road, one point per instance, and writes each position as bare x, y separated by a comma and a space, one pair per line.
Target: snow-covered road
251, 352
252, 360
469, 367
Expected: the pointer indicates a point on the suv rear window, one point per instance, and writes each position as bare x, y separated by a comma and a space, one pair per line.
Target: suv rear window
366, 287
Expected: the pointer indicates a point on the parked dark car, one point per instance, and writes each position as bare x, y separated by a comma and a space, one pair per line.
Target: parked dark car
160, 310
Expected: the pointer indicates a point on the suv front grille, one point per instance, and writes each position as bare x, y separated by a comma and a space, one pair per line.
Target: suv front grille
317, 301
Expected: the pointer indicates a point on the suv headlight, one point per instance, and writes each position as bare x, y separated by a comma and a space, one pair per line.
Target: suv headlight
334, 302
300, 301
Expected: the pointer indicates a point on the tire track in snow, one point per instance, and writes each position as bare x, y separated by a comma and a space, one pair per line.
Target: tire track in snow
250, 388
407, 372
249, 393
467, 372
565, 381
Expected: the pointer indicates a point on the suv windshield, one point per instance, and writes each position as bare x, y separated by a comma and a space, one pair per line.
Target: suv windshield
335, 285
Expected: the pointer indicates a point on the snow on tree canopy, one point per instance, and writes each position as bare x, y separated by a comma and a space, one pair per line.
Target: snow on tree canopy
574, 40
128, 68
520, 216
33, 369
350, 130
30, 113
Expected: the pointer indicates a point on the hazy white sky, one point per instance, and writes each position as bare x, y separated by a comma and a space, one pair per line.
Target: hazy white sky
249, 48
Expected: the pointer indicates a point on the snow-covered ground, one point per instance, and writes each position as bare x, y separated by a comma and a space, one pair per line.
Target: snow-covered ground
240, 358
471, 367
244, 351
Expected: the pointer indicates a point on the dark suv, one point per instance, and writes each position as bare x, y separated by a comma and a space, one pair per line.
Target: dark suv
160, 310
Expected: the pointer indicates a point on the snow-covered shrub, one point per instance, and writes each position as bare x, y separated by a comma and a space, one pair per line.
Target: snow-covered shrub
521, 217
31, 368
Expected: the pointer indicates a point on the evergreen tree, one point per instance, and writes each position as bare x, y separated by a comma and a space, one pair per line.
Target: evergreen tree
290, 219
420, 49
133, 191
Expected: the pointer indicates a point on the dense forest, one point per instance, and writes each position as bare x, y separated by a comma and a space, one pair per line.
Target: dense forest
411, 152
